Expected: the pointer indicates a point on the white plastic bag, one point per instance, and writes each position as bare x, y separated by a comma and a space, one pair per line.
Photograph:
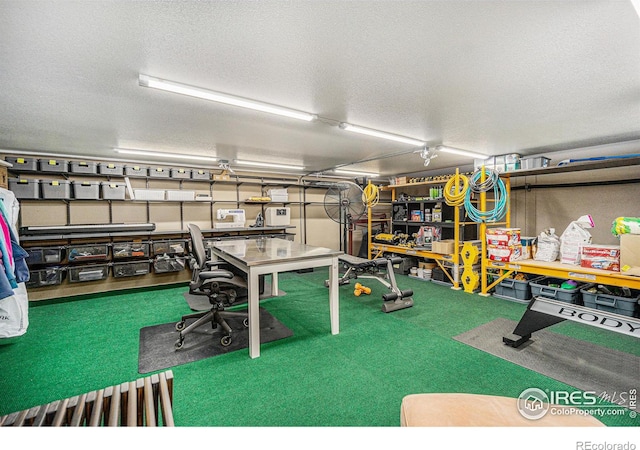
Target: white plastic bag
548, 246
573, 238
14, 318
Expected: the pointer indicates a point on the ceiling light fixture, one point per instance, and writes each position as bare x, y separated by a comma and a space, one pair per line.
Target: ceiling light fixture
359, 174
128, 151
380, 134
457, 151
272, 165
192, 91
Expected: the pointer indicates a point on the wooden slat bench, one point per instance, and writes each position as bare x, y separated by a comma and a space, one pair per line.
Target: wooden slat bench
144, 402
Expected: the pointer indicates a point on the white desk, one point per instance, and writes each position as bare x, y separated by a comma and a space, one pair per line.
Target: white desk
262, 256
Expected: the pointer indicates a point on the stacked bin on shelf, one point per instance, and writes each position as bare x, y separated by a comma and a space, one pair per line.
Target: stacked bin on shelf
43, 266
85, 253
130, 259
169, 255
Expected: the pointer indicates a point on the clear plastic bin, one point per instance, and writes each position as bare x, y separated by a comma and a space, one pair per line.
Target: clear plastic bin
88, 252
50, 276
88, 273
165, 264
130, 269
130, 250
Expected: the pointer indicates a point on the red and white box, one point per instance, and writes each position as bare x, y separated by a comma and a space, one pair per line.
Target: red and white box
503, 236
600, 251
505, 253
598, 262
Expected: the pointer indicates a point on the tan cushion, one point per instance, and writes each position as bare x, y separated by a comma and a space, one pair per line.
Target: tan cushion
474, 410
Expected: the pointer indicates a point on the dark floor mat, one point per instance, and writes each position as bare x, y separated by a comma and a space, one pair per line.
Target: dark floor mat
580, 364
157, 350
201, 302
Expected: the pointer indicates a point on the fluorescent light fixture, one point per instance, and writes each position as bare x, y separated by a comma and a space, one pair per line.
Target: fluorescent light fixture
360, 174
457, 151
192, 91
380, 134
128, 151
271, 165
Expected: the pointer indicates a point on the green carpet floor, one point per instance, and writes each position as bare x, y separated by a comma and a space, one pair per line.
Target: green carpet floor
356, 378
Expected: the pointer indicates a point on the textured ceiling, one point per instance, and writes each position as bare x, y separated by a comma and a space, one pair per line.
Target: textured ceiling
493, 77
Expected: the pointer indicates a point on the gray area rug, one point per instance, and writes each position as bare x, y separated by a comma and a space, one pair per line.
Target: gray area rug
580, 364
157, 351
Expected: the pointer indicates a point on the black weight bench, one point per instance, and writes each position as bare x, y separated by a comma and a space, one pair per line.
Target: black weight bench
380, 269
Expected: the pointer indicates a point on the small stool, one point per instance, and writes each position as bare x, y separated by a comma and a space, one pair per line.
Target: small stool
474, 410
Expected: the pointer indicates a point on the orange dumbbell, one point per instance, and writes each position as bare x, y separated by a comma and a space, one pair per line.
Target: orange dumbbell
360, 289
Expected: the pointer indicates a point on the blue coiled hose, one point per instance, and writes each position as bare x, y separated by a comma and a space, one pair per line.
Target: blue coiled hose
492, 181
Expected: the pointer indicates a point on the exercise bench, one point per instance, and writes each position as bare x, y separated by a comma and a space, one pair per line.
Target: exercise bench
380, 269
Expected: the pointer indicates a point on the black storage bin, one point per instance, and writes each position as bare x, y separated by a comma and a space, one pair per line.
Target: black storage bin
130, 269
165, 264
44, 255
92, 272
50, 276
130, 250
88, 252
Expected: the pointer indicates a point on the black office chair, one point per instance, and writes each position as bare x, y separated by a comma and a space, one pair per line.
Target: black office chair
221, 286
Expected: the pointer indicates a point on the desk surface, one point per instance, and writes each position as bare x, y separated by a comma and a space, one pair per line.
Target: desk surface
255, 252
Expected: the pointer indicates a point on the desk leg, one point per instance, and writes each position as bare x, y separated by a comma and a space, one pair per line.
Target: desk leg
254, 315
274, 284
334, 297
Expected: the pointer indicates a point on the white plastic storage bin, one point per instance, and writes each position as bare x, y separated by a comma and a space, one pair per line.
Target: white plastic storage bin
86, 190
181, 174
130, 269
200, 174
88, 273
55, 189
136, 171
53, 165
148, 194
110, 169
21, 164
159, 172
278, 195
113, 191
83, 167
25, 188
180, 195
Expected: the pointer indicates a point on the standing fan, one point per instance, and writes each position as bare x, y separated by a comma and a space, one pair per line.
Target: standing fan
344, 203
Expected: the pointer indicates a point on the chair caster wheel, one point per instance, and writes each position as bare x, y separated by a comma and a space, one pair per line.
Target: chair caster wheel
245, 322
180, 326
178, 345
225, 341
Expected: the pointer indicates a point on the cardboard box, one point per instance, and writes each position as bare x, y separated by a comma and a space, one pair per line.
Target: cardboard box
599, 262
505, 253
630, 254
222, 177
445, 247
503, 236
600, 251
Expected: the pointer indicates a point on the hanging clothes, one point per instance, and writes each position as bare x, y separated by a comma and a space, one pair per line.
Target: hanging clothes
14, 300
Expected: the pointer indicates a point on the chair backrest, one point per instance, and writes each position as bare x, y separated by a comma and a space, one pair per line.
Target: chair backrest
197, 245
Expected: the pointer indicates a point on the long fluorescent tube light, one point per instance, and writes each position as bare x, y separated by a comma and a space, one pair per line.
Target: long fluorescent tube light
360, 174
457, 151
192, 91
380, 134
272, 165
165, 155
